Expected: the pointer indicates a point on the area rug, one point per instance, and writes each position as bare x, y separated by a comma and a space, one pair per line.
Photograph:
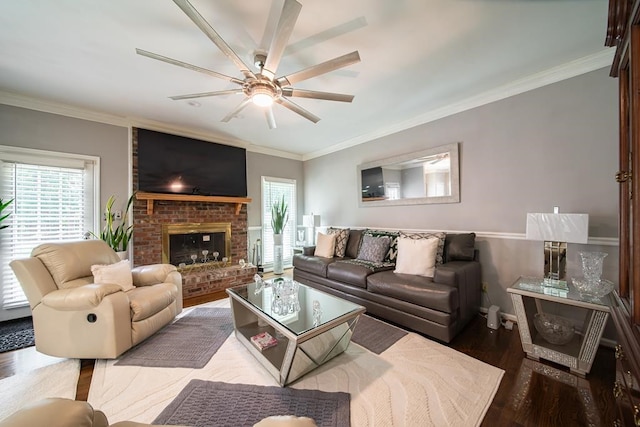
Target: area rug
375, 335
210, 403
415, 382
56, 380
16, 334
189, 342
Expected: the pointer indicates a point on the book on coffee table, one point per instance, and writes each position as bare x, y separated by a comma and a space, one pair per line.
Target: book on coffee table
263, 341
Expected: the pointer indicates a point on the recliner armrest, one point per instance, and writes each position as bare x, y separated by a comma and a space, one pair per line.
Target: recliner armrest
147, 275
80, 298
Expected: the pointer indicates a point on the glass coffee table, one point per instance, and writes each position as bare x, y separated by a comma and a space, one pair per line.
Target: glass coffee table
310, 327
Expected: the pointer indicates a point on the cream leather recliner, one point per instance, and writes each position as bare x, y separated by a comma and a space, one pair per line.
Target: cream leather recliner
76, 318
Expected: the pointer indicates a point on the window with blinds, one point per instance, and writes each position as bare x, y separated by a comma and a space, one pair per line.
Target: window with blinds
272, 191
53, 201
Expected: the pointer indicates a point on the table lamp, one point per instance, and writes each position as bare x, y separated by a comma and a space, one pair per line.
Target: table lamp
556, 230
311, 222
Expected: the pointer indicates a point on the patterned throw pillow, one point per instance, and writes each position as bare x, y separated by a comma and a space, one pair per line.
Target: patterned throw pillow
342, 236
374, 249
392, 254
440, 235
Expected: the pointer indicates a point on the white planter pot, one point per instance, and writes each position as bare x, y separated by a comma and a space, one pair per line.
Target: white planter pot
123, 255
277, 254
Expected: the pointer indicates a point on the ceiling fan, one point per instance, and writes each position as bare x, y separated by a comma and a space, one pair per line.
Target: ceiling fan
263, 88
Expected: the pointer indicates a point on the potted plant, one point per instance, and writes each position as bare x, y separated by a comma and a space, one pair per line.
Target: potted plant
117, 237
3, 206
279, 218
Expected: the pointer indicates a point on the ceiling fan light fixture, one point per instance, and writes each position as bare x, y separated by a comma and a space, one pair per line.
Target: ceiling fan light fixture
262, 96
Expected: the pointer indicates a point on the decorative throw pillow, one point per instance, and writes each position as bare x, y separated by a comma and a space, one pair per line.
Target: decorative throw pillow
342, 236
325, 245
417, 256
461, 247
392, 253
118, 273
440, 235
374, 249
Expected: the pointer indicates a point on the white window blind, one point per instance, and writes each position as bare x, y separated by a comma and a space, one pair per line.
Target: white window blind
272, 191
51, 202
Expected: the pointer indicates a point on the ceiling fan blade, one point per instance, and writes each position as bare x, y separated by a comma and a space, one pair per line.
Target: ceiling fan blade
208, 30
328, 96
298, 109
239, 108
205, 94
288, 18
319, 69
187, 66
271, 120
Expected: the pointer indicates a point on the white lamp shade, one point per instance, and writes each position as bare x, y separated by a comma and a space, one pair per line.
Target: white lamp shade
311, 220
556, 227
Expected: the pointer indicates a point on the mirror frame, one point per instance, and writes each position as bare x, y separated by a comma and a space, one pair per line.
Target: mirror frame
452, 149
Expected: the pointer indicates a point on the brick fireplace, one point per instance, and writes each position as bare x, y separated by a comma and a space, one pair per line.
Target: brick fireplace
148, 244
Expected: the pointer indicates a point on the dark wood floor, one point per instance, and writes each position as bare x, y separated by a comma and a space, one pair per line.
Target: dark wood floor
530, 394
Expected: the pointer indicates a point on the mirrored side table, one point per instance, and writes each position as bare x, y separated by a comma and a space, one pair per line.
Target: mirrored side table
528, 295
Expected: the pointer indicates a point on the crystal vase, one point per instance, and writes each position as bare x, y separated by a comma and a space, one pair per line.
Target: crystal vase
591, 285
592, 265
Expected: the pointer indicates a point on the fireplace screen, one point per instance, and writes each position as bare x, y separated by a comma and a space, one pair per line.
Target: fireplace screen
201, 243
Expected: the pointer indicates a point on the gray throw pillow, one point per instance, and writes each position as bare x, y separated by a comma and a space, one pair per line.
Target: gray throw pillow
461, 247
374, 249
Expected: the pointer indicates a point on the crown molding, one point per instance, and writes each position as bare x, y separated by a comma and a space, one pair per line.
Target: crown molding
584, 65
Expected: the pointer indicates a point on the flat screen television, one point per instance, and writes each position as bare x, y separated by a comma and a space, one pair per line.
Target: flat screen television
372, 183
176, 164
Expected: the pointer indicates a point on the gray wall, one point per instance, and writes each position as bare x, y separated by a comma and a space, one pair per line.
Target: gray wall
553, 146
33, 129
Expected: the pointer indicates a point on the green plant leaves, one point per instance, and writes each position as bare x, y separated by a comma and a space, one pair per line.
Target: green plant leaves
117, 238
3, 206
279, 216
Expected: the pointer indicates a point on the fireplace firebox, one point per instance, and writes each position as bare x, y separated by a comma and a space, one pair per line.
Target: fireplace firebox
196, 243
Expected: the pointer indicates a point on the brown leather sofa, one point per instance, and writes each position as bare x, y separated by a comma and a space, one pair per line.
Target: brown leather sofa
438, 307
76, 318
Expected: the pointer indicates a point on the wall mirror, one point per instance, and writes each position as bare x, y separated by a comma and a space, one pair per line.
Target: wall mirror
423, 177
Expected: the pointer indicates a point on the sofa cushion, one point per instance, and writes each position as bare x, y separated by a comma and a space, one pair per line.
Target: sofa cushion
414, 289
352, 272
342, 237
353, 244
312, 264
374, 249
145, 301
417, 256
440, 235
73, 260
461, 247
393, 246
325, 245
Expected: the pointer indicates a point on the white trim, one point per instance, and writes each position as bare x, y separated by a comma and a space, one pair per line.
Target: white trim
584, 65
602, 241
589, 63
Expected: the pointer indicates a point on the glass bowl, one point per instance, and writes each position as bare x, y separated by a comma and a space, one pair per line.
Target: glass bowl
554, 329
593, 288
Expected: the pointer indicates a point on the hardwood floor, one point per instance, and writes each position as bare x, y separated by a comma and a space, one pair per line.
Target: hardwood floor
530, 394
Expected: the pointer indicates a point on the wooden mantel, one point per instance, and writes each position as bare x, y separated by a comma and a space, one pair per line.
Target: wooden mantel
151, 197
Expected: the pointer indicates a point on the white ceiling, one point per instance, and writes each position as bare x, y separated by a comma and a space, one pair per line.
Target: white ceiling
421, 60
